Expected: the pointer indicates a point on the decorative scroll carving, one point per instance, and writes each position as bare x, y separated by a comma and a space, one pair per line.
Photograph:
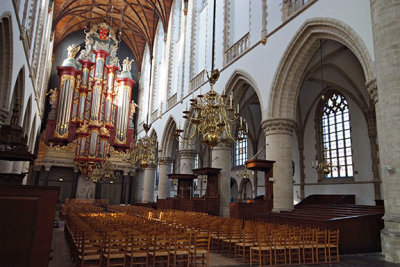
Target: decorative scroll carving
372, 90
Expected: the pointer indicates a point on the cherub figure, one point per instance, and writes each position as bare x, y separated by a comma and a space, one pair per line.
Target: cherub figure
126, 64
53, 96
133, 108
73, 50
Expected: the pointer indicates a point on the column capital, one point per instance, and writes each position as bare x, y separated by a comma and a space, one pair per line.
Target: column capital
151, 166
186, 153
278, 126
165, 161
372, 89
226, 145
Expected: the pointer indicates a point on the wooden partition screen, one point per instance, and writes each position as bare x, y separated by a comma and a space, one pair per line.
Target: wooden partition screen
27, 216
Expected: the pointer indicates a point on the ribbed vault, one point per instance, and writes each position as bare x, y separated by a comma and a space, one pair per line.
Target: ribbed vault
136, 20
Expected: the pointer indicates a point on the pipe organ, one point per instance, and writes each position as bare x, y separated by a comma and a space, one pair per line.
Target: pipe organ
93, 106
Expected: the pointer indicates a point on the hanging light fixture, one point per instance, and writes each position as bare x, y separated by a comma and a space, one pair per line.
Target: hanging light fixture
246, 174
324, 167
210, 117
144, 152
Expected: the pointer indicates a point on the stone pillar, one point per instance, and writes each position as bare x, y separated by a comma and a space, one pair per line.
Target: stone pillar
187, 159
125, 178
386, 36
148, 184
222, 158
138, 186
278, 140
131, 184
97, 191
46, 174
38, 170
75, 183
16, 167
165, 168
5, 166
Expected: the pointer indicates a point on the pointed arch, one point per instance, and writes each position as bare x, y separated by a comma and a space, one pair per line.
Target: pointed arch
6, 63
239, 77
32, 135
18, 95
27, 116
289, 75
168, 138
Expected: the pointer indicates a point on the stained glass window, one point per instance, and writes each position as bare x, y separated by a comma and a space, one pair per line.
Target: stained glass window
336, 136
241, 148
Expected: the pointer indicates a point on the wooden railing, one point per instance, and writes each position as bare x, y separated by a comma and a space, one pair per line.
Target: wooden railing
238, 48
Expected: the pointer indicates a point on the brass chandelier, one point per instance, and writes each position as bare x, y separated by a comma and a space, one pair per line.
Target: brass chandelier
210, 116
144, 152
324, 166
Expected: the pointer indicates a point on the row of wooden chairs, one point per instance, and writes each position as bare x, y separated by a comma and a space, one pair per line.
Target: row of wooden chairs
93, 245
295, 247
254, 242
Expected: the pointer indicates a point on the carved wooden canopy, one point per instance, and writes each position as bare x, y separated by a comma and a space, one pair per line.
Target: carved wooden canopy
137, 19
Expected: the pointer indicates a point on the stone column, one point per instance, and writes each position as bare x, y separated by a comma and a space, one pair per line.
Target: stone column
278, 140
5, 166
165, 168
187, 159
148, 184
97, 191
75, 182
131, 184
222, 158
386, 36
16, 167
38, 170
125, 178
46, 174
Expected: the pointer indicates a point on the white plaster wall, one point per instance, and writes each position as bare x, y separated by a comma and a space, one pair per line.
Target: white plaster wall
261, 64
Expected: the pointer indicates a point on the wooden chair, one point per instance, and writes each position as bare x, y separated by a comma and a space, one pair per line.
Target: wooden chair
262, 251
294, 246
138, 249
333, 246
321, 246
90, 252
114, 251
180, 249
232, 237
160, 249
280, 247
248, 240
200, 250
307, 245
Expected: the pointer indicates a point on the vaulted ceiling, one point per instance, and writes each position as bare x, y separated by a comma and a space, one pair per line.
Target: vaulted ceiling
136, 19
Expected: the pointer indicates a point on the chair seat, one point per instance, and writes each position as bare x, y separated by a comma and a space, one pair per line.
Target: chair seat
199, 251
90, 257
260, 248
180, 252
114, 256
159, 253
136, 254
241, 244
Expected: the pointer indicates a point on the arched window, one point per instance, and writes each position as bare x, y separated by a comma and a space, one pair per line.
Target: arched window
241, 148
336, 135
